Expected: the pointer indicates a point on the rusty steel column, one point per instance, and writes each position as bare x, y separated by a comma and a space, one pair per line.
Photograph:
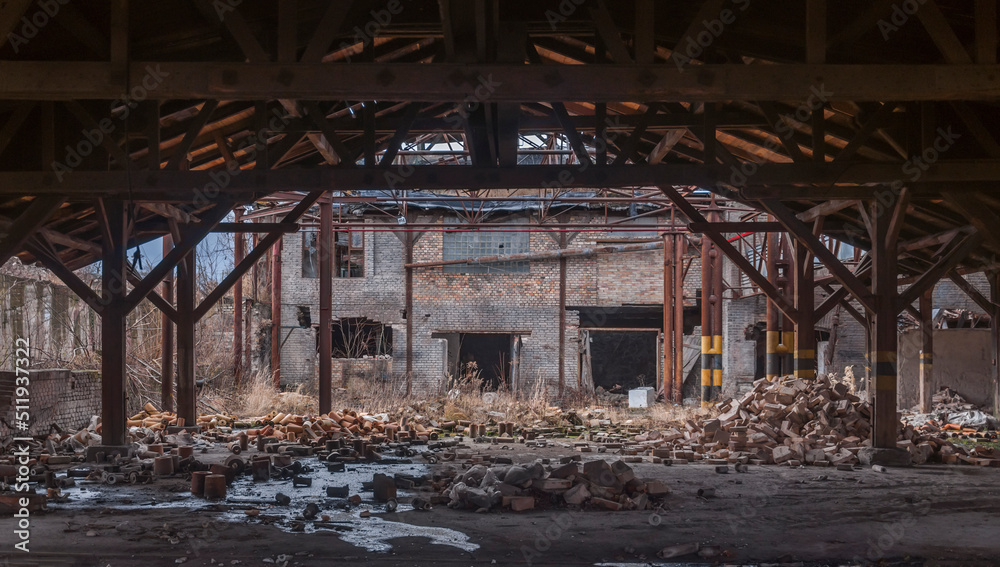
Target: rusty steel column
238, 252
805, 304
926, 348
186, 302
885, 335
716, 322
993, 276
680, 248
167, 338
408, 257
325, 305
772, 335
276, 313
706, 321
113, 323
787, 346
668, 318
562, 315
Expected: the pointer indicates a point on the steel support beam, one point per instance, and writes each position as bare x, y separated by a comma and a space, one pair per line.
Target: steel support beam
885, 297
276, 313
926, 349
187, 408
167, 339
805, 304
325, 306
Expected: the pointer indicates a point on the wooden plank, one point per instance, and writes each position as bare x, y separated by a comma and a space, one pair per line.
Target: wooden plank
88, 121
394, 143
824, 209
629, 146
329, 133
663, 147
232, 20
287, 30
710, 10
436, 82
787, 139
975, 125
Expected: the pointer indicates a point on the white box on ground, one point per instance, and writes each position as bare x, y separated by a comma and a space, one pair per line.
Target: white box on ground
641, 397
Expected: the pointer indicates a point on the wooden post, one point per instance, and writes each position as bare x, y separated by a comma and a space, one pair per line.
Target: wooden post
167, 339
238, 252
113, 322
994, 280
926, 348
276, 313
716, 320
186, 303
885, 333
325, 305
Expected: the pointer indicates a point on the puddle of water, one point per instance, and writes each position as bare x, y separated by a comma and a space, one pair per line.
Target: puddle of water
372, 534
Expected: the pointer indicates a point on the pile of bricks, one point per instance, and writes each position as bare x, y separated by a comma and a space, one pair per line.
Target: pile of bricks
788, 421
596, 484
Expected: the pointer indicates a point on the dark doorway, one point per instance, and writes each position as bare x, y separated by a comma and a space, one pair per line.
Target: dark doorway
488, 356
623, 358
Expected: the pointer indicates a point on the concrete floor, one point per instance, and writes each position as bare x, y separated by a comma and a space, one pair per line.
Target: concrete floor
928, 515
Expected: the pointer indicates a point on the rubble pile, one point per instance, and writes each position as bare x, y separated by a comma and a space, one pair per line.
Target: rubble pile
787, 421
596, 484
951, 413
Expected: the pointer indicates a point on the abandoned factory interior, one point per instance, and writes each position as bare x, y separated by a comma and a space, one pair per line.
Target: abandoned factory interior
495, 282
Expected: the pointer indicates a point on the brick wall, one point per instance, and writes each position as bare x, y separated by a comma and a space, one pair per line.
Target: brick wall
524, 304
66, 398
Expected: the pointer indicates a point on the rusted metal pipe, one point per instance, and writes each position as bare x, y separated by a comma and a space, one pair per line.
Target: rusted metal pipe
276, 313
238, 252
325, 307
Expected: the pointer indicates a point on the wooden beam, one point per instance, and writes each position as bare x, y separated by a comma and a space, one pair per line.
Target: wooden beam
287, 31
326, 30
777, 123
772, 181
984, 220
88, 121
986, 32
258, 252
816, 26
12, 125
395, 143
824, 209
455, 82
70, 242
975, 125
155, 298
318, 117
237, 27
799, 230
730, 251
933, 239
609, 32
10, 16
169, 211
944, 265
986, 305
663, 147
194, 128
723, 226
182, 248
876, 121
710, 10
44, 253
27, 223
942, 33
629, 146
645, 25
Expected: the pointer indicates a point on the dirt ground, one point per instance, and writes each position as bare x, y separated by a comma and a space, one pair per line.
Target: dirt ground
927, 515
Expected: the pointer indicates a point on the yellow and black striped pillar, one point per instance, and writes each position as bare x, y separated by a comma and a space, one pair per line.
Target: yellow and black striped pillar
772, 363
716, 365
787, 349
707, 365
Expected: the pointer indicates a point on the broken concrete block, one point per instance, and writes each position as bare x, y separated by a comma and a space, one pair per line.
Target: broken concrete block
552, 484
519, 503
576, 495
606, 504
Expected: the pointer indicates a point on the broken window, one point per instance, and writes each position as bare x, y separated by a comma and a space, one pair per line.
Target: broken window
358, 337
310, 254
459, 245
349, 246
